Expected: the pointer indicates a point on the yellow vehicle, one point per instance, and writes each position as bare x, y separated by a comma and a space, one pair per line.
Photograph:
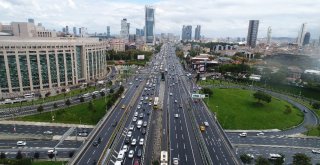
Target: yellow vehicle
202, 128
123, 106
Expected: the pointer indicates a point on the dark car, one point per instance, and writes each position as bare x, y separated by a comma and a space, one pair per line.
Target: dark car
136, 162
127, 140
143, 131
139, 154
114, 124
95, 143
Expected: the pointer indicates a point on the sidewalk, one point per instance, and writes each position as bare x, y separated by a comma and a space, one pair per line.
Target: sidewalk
45, 124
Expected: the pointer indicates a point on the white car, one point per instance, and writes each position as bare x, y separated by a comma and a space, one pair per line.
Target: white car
134, 119
129, 134
133, 142
260, 134
130, 155
243, 134
123, 96
141, 141
170, 94
131, 127
175, 161
206, 124
150, 104
21, 143
139, 107
135, 114
55, 152
47, 132
316, 151
125, 148
175, 101
176, 115
130, 83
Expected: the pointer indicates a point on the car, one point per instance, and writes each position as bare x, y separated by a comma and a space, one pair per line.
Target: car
114, 123
176, 115
130, 83
145, 123
136, 114
139, 154
148, 113
143, 131
175, 161
123, 96
175, 101
206, 124
146, 98
141, 141
129, 134
260, 134
141, 99
150, 103
21, 143
316, 151
136, 162
47, 132
125, 148
170, 94
123, 106
243, 134
127, 140
140, 103
202, 128
83, 134
141, 115
139, 107
134, 119
131, 127
131, 153
95, 143
133, 142
180, 106
250, 155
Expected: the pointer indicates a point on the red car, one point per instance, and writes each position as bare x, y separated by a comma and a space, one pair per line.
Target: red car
136, 162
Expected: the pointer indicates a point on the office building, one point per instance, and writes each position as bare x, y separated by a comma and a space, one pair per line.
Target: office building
108, 31
31, 20
43, 64
74, 31
186, 32
67, 29
252, 33
197, 31
306, 39
301, 34
117, 45
149, 25
269, 35
83, 32
125, 28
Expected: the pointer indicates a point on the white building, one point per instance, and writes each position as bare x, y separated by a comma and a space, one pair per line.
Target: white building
125, 27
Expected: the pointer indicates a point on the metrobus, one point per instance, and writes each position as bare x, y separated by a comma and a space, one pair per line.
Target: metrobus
163, 158
156, 103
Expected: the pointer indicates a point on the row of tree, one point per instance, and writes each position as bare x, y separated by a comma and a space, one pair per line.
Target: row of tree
127, 55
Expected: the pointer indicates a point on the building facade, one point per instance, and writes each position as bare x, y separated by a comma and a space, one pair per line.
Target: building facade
117, 45
124, 32
306, 39
252, 33
197, 31
149, 25
301, 34
35, 64
186, 33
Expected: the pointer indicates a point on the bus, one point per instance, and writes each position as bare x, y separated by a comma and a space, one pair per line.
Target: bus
164, 158
156, 103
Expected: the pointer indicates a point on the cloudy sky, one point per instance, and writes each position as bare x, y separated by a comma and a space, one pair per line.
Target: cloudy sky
218, 18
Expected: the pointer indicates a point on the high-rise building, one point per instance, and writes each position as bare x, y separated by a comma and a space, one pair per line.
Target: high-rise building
67, 29
30, 20
64, 30
197, 33
83, 32
124, 32
149, 25
108, 31
252, 33
269, 35
138, 32
301, 34
74, 31
186, 32
306, 39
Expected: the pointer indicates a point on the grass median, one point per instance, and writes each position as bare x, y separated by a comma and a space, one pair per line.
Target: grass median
83, 113
237, 109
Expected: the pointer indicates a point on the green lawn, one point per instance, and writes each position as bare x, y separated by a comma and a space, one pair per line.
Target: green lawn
237, 109
48, 163
73, 114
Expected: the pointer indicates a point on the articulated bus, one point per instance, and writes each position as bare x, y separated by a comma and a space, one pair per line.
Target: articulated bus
156, 103
164, 158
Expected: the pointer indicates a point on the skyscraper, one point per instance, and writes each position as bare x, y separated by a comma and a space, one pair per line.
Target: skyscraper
301, 34
67, 29
138, 32
269, 35
252, 33
306, 39
124, 33
149, 25
186, 32
74, 31
108, 31
197, 33
30, 20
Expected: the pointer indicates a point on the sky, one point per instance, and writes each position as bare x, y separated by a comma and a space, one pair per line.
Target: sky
218, 18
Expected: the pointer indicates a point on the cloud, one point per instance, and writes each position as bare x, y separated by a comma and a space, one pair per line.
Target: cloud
218, 18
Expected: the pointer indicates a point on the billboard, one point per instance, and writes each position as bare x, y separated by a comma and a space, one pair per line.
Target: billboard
140, 57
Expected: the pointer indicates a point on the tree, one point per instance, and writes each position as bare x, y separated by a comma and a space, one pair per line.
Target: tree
68, 102
71, 153
262, 161
51, 155
246, 159
316, 105
259, 95
279, 161
55, 105
91, 107
288, 110
301, 159
308, 127
102, 94
111, 90
3, 155
19, 155
318, 128
47, 94
156, 162
94, 96
81, 99
207, 91
40, 109
198, 77
36, 155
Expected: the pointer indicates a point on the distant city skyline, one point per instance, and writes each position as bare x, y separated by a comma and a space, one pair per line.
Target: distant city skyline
218, 18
